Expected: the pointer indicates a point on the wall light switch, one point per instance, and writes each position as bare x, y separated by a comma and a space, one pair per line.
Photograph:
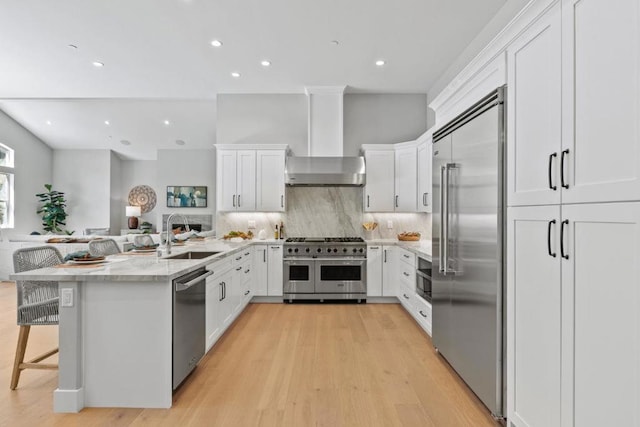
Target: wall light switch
252, 224
389, 224
67, 297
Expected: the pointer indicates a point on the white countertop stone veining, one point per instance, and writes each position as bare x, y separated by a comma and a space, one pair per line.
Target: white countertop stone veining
421, 247
140, 268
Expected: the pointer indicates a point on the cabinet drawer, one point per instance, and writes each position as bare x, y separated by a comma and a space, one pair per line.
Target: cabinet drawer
407, 275
407, 298
422, 312
220, 267
246, 271
241, 256
407, 257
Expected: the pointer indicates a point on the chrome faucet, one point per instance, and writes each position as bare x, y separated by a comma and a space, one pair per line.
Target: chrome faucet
168, 227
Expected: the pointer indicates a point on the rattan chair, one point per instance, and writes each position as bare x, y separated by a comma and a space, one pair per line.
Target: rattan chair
103, 247
143, 240
37, 304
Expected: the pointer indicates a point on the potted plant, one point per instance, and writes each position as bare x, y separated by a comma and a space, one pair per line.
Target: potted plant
52, 210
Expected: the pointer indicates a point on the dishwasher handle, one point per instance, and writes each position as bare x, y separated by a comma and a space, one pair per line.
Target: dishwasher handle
180, 286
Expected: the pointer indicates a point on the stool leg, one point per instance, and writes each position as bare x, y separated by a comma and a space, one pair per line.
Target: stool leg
23, 336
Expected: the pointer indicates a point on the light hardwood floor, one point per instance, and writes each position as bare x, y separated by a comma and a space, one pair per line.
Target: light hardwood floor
278, 365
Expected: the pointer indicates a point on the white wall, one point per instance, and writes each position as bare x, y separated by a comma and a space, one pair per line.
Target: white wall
133, 173
33, 169
382, 119
263, 119
173, 167
85, 178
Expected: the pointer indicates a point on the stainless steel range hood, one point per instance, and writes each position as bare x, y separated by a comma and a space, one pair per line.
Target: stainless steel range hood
325, 171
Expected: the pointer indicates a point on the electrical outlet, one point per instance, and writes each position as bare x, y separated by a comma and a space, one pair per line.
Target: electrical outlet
389, 224
252, 224
67, 297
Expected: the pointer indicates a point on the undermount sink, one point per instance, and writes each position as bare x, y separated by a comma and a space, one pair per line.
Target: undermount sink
192, 255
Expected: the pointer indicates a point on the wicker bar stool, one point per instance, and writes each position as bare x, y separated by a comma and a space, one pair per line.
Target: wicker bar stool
103, 247
37, 305
143, 240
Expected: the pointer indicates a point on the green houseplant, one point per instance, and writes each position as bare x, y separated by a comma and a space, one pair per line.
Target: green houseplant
52, 210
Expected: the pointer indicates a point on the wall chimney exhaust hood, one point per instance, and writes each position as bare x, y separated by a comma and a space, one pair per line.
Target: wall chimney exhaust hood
321, 171
325, 164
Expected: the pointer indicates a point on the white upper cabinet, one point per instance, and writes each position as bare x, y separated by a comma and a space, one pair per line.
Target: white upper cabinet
601, 100
574, 105
406, 178
379, 191
424, 175
270, 189
236, 180
250, 178
534, 113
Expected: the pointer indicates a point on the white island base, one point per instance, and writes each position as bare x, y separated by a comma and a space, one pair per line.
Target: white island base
115, 346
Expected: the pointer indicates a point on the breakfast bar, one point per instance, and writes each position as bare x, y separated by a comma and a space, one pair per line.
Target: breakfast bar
115, 328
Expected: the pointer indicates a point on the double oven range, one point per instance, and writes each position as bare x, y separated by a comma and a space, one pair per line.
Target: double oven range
325, 268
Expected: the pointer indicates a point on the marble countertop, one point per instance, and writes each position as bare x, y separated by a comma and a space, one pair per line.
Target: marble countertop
140, 268
421, 247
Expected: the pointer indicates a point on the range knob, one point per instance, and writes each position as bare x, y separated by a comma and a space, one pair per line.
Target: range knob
319, 250
361, 250
329, 250
344, 250
355, 250
335, 250
289, 250
296, 250
306, 250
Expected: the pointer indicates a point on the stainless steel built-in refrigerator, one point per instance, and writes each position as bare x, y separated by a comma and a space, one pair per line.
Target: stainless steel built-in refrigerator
468, 231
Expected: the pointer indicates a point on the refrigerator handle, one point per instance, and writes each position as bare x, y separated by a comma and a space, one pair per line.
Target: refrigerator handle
444, 218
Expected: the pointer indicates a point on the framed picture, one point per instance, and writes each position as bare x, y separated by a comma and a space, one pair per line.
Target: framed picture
179, 196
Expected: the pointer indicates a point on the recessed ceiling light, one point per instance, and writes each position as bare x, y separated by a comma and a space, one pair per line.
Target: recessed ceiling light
180, 142
216, 43
106, 122
167, 122
265, 63
72, 46
380, 62
98, 64
49, 122
125, 142
236, 75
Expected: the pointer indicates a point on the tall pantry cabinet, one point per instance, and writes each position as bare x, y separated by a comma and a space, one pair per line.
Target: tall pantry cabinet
573, 233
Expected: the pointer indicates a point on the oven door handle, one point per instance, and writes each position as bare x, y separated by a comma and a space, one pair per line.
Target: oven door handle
339, 259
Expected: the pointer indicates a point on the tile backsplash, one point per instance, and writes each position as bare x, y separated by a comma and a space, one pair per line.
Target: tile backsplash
325, 212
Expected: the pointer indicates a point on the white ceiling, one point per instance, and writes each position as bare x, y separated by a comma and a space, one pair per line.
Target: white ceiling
157, 55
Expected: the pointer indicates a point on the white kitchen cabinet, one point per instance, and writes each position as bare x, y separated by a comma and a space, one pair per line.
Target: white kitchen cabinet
236, 180
601, 100
534, 308
270, 188
573, 343
389, 279
534, 96
424, 151
374, 270
217, 305
406, 184
260, 270
379, 191
574, 105
275, 270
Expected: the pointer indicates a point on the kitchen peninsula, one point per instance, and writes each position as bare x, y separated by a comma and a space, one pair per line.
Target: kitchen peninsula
115, 329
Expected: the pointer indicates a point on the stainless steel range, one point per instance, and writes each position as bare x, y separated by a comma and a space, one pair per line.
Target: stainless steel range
325, 268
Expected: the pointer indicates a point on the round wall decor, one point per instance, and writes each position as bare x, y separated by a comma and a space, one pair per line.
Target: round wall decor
143, 196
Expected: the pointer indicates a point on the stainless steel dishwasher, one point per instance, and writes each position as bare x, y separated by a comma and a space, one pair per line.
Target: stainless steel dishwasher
188, 323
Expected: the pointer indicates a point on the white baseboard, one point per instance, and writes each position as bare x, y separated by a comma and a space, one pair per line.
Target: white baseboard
68, 400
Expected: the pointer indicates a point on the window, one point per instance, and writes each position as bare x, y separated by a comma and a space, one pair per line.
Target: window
6, 186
